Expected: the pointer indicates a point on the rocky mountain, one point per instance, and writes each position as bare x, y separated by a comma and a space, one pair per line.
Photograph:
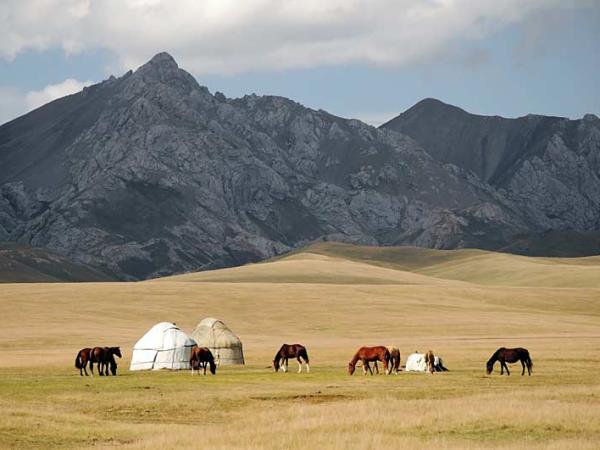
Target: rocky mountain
150, 174
549, 167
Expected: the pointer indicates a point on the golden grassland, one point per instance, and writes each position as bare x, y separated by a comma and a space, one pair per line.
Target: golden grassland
332, 298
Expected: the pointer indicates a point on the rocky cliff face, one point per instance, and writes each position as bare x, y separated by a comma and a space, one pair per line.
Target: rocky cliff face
150, 174
549, 167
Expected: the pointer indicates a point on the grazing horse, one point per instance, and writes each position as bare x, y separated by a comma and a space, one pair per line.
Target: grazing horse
200, 357
510, 355
394, 360
291, 351
108, 360
370, 354
430, 361
82, 359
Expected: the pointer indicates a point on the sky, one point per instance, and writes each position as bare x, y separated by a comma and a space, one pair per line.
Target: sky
364, 59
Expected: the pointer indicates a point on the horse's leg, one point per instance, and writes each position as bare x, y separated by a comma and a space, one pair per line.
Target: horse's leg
299, 365
307, 366
523, 366
376, 368
506, 367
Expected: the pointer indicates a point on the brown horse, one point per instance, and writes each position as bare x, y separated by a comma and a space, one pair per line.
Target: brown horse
511, 356
82, 359
108, 360
200, 357
430, 361
394, 360
104, 357
291, 351
370, 354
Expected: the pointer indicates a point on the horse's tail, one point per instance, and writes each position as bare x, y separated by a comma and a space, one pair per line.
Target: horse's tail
530, 363
78, 361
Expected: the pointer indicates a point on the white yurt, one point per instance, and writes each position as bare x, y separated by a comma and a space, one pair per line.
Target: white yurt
416, 363
164, 346
225, 346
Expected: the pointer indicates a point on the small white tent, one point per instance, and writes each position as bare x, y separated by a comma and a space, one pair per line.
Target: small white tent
225, 346
416, 363
164, 346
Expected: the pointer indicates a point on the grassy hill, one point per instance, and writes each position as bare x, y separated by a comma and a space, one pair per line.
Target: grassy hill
469, 265
24, 264
333, 298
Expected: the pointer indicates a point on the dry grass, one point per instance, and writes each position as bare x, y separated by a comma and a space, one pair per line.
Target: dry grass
333, 305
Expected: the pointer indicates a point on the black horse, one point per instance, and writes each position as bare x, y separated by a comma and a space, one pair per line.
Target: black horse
510, 355
290, 351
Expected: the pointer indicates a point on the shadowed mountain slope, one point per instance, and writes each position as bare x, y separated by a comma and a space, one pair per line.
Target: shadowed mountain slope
22, 264
548, 166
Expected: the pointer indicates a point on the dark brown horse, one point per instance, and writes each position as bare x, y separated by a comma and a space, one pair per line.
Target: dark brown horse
200, 357
82, 359
108, 360
430, 361
291, 351
104, 358
370, 354
511, 356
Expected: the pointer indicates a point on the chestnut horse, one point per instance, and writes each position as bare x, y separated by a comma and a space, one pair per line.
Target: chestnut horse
394, 360
291, 351
510, 355
370, 354
430, 361
200, 357
82, 359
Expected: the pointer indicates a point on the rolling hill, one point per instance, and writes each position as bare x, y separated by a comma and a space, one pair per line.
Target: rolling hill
353, 264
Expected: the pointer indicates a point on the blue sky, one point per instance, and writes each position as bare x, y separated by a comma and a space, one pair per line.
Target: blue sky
544, 61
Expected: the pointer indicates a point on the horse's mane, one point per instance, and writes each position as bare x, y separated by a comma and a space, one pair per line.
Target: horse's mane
494, 357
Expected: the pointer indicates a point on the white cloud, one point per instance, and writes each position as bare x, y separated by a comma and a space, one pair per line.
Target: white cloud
12, 103
35, 99
226, 36
15, 102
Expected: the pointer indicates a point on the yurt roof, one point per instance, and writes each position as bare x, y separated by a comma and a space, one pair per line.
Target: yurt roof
216, 331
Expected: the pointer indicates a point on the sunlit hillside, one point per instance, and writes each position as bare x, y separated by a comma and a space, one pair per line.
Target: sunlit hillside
333, 298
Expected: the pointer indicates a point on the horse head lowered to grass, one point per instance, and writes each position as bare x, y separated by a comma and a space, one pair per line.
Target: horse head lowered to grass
510, 355
370, 354
287, 351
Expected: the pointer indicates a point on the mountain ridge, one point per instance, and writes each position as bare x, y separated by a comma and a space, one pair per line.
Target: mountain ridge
150, 174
